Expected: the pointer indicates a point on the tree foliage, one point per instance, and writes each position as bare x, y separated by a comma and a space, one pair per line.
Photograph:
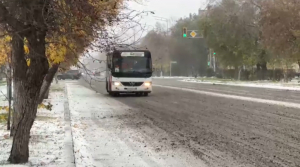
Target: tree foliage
46, 33
280, 25
231, 30
254, 34
190, 54
5, 49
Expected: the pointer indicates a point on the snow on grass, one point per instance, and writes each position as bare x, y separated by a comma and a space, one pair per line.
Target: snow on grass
10, 165
47, 136
258, 84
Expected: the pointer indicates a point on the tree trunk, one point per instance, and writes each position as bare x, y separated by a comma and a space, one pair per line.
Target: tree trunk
264, 70
27, 85
285, 74
258, 71
274, 76
47, 82
239, 76
9, 97
236, 72
47, 94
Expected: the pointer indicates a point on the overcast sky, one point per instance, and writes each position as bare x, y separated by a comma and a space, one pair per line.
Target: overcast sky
169, 9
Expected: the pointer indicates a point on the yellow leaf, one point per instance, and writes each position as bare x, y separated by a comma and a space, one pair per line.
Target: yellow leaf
2, 117
41, 106
7, 38
28, 62
6, 136
26, 49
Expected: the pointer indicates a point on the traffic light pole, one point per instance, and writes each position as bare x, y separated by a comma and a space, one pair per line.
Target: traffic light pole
214, 63
195, 35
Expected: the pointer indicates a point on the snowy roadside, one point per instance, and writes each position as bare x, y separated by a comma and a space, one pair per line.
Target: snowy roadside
168, 77
259, 84
46, 146
105, 135
3, 101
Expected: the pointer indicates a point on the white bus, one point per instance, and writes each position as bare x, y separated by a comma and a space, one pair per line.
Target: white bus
129, 71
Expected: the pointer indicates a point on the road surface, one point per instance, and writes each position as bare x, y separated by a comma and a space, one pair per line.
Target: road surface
221, 125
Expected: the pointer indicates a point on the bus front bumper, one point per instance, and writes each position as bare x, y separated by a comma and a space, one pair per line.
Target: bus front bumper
131, 89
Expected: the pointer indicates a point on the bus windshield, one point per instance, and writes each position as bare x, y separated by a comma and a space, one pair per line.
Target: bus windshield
131, 64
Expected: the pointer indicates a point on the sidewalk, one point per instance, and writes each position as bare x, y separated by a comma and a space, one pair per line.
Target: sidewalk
47, 134
255, 84
108, 133
86, 129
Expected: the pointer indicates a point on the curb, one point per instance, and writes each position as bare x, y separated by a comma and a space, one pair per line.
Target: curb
69, 145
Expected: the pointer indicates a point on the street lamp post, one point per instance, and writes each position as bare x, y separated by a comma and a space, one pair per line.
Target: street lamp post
172, 62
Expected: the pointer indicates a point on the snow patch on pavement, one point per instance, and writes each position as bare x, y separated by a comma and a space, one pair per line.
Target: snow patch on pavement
251, 99
81, 148
268, 85
47, 136
102, 138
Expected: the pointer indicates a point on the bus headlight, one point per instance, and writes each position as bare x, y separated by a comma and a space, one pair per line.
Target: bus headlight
147, 84
117, 83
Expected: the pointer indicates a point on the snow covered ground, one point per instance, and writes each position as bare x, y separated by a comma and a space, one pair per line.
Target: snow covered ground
102, 137
47, 134
3, 101
258, 84
168, 77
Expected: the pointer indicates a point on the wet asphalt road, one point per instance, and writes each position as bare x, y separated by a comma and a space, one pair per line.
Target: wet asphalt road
219, 130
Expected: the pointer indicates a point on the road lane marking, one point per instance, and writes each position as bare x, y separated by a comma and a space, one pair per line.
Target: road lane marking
250, 99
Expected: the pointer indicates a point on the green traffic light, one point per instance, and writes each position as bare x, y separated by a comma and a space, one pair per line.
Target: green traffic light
184, 35
214, 53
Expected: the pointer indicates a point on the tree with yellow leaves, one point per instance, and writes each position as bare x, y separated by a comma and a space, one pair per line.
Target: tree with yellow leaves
50, 30
5, 49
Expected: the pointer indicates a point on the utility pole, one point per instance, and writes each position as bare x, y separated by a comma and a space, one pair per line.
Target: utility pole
214, 63
209, 59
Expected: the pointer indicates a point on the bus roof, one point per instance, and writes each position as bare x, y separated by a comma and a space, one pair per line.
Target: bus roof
123, 50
